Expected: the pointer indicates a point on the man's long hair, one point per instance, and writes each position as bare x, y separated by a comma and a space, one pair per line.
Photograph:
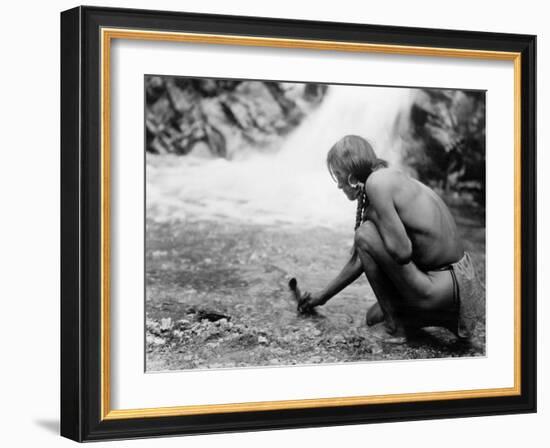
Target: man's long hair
354, 155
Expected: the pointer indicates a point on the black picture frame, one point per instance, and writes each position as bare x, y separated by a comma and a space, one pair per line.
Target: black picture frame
81, 224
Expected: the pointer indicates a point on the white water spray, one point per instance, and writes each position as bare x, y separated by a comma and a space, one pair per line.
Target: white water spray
292, 185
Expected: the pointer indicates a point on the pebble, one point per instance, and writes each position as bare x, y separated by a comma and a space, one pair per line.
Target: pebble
156, 340
166, 323
183, 322
314, 360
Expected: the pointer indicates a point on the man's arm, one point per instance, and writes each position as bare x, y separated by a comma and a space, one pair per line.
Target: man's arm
381, 190
349, 273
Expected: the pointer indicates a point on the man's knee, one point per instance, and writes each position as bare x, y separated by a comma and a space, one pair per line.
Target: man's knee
366, 236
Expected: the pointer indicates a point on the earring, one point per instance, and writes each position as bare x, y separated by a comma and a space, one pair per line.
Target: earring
355, 186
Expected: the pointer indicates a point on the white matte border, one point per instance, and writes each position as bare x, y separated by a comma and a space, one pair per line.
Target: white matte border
131, 387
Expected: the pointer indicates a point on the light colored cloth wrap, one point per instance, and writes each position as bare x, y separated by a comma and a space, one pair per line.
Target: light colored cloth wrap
469, 296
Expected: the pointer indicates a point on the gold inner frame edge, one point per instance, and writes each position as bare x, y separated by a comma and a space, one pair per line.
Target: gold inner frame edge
107, 34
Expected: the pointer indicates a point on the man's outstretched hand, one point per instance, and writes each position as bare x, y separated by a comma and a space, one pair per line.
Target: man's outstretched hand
309, 301
306, 301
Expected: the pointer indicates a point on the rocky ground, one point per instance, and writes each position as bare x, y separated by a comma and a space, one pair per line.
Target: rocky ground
217, 297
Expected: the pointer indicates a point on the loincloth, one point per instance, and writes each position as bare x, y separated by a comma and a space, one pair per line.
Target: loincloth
468, 295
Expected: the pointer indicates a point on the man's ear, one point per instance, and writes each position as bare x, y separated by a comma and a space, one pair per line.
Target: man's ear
353, 181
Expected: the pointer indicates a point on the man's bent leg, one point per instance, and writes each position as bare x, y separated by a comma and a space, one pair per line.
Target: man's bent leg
424, 292
375, 314
385, 292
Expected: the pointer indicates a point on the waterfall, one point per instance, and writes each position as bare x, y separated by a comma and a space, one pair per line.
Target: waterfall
292, 185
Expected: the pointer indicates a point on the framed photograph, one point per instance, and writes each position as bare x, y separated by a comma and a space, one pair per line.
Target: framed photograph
274, 223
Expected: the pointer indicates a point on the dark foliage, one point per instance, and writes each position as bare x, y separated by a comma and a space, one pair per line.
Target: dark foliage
447, 142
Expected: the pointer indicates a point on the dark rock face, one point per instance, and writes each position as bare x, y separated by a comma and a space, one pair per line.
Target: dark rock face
221, 117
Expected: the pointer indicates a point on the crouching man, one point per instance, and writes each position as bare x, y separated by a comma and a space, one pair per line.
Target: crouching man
406, 243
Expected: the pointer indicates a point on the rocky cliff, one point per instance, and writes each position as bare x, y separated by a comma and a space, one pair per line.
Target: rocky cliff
220, 117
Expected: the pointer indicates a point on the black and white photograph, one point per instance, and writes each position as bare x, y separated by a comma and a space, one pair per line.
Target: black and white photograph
297, 223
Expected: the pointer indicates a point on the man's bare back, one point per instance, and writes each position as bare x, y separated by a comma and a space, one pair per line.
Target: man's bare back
427, 221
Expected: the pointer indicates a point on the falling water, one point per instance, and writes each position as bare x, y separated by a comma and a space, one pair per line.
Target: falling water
291, 185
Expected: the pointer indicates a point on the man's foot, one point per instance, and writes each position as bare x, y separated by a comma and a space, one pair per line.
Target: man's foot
375, 315
383, 334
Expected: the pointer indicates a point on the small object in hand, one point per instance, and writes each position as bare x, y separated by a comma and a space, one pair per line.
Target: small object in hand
301, 299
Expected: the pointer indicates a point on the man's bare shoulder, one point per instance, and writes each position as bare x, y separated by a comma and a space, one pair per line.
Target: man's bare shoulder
387, 179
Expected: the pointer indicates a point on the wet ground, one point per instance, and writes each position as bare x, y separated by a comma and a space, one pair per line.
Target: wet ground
217, 297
